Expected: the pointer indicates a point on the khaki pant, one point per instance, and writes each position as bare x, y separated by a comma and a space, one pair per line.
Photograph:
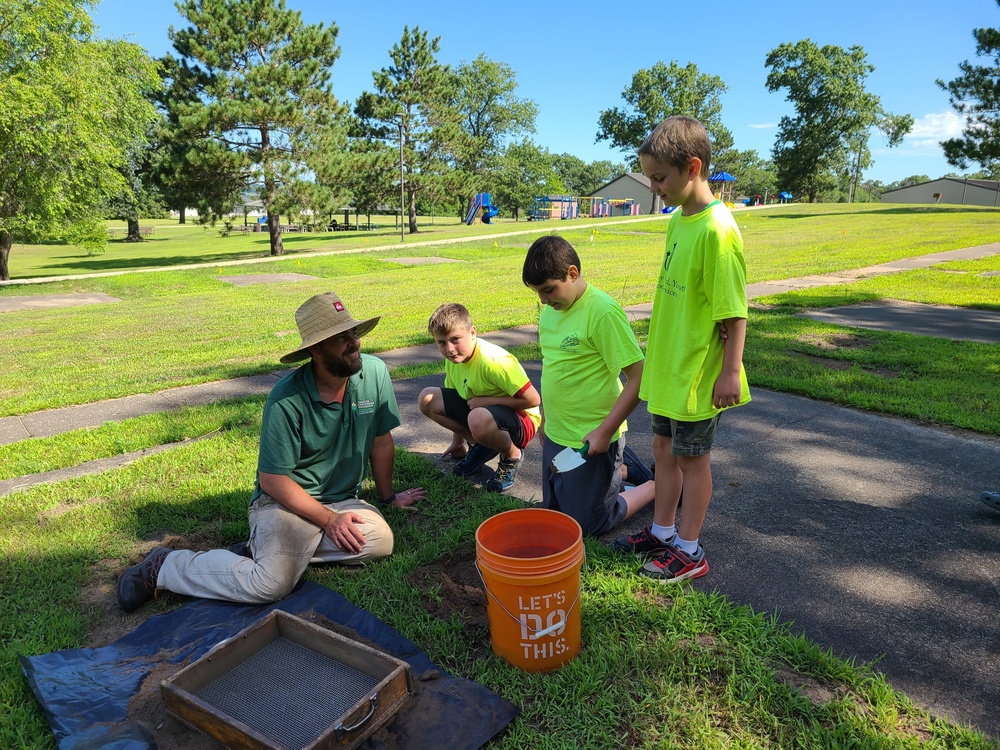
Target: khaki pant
283, 545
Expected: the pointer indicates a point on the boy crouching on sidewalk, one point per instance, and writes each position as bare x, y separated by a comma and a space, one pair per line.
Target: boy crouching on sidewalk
487, 402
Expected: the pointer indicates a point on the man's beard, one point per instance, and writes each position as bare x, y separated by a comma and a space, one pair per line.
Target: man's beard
343, 366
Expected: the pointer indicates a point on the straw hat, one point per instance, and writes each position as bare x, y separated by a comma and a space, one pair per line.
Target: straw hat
321, 317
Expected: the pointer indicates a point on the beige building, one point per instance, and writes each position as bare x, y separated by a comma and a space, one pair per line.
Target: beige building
948, 190
634, 185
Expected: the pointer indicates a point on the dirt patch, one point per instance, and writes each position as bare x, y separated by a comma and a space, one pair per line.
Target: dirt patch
654, 598
813, 690
452, 586
837, 341
108, 622
843, 364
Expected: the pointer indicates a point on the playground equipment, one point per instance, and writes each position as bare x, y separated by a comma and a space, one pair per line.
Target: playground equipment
481, 203
580, 207
722, 185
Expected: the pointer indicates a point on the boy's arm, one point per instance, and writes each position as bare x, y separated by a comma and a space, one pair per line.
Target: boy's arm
526, 398
600, 437
727, 387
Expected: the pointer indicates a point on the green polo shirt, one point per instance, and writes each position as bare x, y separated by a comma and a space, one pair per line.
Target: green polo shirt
324, 446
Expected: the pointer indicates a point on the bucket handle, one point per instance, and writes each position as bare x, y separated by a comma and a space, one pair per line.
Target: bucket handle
535, 634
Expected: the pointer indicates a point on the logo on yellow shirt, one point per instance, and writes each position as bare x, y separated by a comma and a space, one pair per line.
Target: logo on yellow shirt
570, 343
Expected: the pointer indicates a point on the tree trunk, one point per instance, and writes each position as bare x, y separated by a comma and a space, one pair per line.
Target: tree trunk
183, 218
6, 240
133, 231
274, 230
412, 210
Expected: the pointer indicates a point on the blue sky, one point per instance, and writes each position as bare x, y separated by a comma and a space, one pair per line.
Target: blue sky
575, 58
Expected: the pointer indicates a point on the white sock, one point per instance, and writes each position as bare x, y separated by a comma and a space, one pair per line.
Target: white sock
689, 547
663, 533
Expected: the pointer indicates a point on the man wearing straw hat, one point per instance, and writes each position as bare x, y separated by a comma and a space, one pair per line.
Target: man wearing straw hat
322, 425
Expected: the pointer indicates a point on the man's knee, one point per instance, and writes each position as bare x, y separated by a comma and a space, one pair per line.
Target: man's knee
273, 585
379, 541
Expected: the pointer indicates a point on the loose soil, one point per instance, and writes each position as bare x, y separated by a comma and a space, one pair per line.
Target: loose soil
452, 586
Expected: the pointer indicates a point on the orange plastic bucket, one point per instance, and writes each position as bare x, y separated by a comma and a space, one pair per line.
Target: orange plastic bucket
530, 561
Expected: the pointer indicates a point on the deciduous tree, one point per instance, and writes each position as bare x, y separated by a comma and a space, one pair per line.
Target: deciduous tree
490, 114
580, 178
975, 95
71, 107
834, 115
657, 93
525, 171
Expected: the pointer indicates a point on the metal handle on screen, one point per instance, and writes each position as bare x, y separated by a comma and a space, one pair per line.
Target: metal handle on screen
340, 730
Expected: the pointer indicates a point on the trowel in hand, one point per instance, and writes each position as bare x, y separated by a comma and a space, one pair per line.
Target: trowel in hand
569, 458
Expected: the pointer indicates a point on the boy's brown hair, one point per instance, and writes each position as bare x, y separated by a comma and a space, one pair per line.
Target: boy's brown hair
676, 140
449, 317
548, 258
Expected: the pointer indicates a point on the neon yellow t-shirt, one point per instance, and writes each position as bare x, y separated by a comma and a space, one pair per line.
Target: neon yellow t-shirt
702, 282
490, 371
584, 350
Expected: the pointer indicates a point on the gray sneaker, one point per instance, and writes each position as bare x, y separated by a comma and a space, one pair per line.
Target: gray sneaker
503, 478
137, 585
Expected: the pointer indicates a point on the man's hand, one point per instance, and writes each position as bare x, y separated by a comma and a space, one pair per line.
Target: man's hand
342, 529
406, 498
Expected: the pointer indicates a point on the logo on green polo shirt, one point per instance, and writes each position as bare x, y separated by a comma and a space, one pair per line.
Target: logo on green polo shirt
365, 406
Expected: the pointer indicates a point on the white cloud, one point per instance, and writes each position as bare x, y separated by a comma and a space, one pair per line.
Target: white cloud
934, 127
764, 125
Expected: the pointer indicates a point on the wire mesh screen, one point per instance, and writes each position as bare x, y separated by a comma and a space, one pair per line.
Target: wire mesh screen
288, 692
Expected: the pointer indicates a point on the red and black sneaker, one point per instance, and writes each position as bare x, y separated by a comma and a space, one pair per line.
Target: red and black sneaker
643, 543
674, 564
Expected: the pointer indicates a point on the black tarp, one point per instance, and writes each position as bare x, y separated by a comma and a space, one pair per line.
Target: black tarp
85, 693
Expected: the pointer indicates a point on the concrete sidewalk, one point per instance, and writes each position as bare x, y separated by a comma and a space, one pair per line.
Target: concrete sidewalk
864, 531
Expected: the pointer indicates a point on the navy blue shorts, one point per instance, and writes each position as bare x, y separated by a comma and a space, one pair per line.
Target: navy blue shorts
590, 493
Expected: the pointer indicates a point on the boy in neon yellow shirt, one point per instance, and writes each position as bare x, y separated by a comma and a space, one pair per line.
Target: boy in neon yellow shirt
695, 346
586, 344
487, 402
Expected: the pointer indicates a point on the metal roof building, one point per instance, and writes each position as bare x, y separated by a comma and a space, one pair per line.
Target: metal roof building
948, 190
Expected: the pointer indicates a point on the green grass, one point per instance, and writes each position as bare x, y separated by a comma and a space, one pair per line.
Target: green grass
681, 669
688, 670
184, 327
75, 447
173, 244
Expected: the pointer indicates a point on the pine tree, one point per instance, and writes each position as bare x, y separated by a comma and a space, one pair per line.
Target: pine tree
259, 90
975, 95
411, 103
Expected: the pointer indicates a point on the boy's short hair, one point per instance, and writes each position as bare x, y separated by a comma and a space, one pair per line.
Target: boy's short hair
676, 140
548, 258
448, 317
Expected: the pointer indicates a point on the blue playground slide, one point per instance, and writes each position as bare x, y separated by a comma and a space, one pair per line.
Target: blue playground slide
482, 201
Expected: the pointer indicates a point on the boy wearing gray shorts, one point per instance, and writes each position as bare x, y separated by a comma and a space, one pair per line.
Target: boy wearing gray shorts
695, 346
586, 344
